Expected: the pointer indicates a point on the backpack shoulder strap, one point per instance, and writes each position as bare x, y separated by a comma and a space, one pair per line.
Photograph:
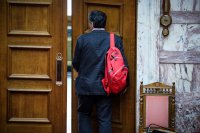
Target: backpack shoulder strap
112, 40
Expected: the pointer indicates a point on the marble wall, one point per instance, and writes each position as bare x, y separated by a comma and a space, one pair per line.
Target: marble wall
175, 58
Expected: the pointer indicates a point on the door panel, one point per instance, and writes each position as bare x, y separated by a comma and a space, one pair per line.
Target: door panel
32, 34
25, 17
120, 20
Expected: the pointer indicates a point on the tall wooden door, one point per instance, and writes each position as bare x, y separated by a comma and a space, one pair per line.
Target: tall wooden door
121, 15
32, 59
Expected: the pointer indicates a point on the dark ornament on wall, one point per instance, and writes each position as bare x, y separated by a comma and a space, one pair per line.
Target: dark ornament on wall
166, 19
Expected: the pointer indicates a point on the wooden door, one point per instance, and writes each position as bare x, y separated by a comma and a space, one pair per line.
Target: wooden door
121, 15
32, 88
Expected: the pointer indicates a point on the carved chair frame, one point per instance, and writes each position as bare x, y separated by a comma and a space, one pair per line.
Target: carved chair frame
157, 89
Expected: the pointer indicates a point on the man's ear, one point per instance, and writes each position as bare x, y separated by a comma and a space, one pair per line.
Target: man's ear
91, 24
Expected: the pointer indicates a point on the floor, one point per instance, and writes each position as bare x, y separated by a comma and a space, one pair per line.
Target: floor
69, 101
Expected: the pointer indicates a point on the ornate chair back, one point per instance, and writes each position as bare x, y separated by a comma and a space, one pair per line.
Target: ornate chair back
157, 107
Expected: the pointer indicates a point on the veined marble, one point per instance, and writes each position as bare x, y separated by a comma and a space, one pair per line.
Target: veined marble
184, 37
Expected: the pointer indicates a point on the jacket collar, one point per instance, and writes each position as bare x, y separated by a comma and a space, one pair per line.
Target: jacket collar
98, 29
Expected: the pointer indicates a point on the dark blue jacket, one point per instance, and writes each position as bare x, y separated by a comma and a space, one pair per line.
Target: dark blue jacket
89, 61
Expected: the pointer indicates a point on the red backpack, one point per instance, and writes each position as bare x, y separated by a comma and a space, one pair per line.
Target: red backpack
116, 72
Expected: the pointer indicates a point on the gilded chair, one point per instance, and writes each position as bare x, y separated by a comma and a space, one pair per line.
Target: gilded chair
157, 107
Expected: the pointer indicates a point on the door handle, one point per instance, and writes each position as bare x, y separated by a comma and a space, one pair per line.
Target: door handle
59, 59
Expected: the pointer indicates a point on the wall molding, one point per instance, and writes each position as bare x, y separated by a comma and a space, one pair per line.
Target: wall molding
179, 57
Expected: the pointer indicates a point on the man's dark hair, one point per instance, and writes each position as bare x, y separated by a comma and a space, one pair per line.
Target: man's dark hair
98, 18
